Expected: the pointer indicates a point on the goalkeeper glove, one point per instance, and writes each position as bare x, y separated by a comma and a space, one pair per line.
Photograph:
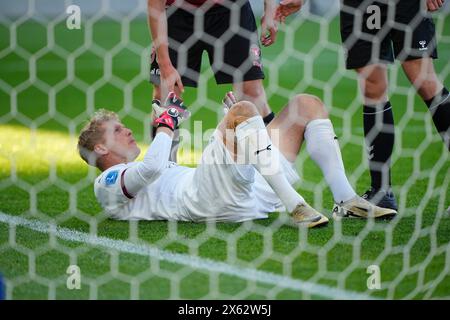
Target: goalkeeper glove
171, 114
172, 101
168, 118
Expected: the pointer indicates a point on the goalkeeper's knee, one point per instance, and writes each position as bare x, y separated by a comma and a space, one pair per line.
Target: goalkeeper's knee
240, 112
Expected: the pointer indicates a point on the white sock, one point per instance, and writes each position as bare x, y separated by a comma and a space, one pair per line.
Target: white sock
322, 145
255, 147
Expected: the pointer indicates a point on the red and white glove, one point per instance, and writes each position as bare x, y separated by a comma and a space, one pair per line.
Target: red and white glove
171, 114
168, 118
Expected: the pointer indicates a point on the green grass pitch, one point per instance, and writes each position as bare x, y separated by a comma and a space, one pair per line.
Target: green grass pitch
414, 247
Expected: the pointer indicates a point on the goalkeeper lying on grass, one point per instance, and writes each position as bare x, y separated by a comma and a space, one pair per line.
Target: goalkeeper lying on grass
244, 174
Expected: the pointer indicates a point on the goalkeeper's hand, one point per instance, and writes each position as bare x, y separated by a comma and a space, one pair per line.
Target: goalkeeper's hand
168, 119
173, 104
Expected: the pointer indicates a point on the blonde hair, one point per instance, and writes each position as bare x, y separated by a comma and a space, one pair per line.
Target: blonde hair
92, 133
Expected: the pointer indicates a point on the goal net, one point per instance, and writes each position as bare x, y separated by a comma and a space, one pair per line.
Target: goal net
62, 60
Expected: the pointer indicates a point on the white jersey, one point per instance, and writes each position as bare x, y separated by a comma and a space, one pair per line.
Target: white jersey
157, 189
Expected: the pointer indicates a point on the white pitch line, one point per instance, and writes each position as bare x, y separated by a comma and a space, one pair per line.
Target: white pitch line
184, 259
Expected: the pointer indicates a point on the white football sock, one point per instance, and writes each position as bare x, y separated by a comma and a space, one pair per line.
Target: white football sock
255, 147
322, 145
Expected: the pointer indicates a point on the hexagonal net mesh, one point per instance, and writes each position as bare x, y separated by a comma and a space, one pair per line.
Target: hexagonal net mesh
56, 242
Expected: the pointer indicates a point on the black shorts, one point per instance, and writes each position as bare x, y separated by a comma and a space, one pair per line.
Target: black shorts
403, 31
234, 53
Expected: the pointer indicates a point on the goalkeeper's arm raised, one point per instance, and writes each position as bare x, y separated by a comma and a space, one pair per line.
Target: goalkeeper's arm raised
156, 159
153, 165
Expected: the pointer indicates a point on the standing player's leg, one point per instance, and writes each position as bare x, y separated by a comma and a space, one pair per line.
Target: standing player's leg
368, 47
422, 75
240, 54
253, 91
379, 133
414, 43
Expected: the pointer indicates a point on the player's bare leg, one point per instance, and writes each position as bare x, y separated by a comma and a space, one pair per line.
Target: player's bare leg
422, 76
373, 83
379, 133
254, 92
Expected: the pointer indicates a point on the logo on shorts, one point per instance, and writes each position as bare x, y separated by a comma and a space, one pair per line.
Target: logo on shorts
266, 148
423, 44
111, 177
255, 53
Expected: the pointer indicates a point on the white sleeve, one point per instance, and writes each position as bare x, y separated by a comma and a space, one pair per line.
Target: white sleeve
150, 169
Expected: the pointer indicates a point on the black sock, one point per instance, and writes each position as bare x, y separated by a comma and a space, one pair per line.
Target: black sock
439, 107
268, 118
379, 136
